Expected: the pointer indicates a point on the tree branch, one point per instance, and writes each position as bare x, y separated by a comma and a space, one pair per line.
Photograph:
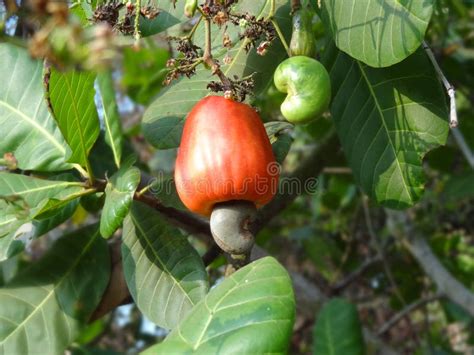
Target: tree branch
406, 311
416, 244
338, 286
117, 292
465, 149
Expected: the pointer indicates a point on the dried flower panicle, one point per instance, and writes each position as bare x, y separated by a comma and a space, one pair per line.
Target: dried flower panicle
255, 30
109, 12
185, 64
239, 89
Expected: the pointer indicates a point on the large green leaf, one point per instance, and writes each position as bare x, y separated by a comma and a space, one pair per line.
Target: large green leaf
251, 312
113, 127
71, 95
38, 195
163, 120
387, 119
338, 330
164, 274
118, 198
29, 131
379, 33
45, 306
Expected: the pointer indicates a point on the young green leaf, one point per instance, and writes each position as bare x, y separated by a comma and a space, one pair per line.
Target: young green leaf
337, 330
378, 33
113, 127
164, 119
387, 119
45, 306
71, 95
30, 132
118, 198
164, 273
251, 312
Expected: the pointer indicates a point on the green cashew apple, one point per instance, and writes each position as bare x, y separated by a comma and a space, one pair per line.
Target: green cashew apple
308, 86
302, 41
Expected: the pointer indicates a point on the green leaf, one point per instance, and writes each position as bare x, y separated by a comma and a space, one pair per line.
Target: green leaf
378, 33
164, 274
59, 216
143, 72
281, 140
163, 120
45, 307
387, 120
337, 330
118, 198
169, 16
71, 95
251, 312
459, 187
101, 158
84, 11
113, 128
30, 132
38, 195
23, 198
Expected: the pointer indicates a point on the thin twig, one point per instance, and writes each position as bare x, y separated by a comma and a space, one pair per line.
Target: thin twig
338, 286
416, 243
136, 31
378, 248
453, 115
193, 30
337, 170
465, 149
281, 36
271, 17
212, 254
406, 311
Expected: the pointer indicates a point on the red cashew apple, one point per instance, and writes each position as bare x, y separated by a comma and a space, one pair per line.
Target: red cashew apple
225, 167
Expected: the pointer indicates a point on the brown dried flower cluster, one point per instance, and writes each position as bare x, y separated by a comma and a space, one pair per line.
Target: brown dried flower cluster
239, 88
109, 12
187, 62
